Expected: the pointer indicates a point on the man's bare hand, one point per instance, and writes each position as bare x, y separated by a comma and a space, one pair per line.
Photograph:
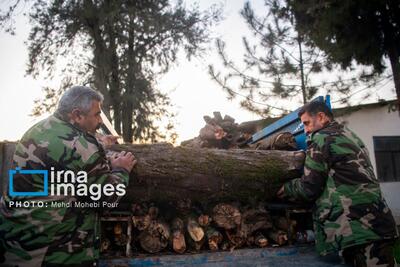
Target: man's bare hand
124, 160
281, 192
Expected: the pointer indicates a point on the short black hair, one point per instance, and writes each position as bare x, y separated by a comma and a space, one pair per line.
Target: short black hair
314, 107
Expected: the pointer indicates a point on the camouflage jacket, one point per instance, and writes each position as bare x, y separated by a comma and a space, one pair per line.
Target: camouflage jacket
349, 208
55, 235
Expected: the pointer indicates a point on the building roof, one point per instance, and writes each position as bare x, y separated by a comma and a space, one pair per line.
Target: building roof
337, 112
256, 125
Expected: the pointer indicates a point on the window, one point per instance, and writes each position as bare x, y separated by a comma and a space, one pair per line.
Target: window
387, 155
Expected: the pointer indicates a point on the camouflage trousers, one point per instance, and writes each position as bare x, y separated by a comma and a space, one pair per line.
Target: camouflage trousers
379, 253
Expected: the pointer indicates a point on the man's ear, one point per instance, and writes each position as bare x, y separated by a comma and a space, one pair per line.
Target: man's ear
323, 117
76, 115
320, 116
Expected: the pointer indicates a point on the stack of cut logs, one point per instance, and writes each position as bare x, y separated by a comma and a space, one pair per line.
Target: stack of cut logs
200, 196
217, 133
184, 227
224, 133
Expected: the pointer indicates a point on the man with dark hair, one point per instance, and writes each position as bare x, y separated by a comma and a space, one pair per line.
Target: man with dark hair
314, 108
59, 233
351, 217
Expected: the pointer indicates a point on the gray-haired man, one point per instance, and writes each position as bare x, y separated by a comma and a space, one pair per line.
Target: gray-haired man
56, 234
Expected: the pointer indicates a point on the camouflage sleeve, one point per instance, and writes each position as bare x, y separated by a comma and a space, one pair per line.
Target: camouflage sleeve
100, 173
310, 186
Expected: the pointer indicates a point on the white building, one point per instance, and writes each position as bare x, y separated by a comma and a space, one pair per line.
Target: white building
378, 125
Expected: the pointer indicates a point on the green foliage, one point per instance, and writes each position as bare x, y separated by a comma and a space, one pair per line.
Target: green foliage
396, 250
121, 48
7, 22
283, 64
359, 31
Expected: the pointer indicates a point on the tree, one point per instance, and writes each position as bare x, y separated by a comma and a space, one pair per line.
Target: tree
284, 64
118, 47
363, 31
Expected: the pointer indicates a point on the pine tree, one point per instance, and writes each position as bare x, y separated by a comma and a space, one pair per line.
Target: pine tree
367, 32
284, 64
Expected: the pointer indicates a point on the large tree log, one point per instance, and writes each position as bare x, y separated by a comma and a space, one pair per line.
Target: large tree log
167, 173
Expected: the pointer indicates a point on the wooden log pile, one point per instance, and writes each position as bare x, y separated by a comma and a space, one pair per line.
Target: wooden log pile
202, 193
218, 133
223, 133
191, 228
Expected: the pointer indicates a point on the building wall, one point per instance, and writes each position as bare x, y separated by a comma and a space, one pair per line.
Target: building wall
377, 121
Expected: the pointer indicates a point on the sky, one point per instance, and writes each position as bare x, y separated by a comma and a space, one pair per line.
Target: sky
189, 86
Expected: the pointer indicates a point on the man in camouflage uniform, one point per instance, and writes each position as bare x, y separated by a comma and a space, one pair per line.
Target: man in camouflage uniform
60, 236
350, 215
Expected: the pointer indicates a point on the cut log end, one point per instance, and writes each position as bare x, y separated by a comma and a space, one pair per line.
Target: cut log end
260, 240
155, 238
214, 238
141, 222
226, 216
204, 220
195, 231
178, 242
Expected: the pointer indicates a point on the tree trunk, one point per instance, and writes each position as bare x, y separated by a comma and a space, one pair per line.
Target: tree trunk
394, 61
100, 59
165, 173
128, 108
301, 65
391, 42
115, 86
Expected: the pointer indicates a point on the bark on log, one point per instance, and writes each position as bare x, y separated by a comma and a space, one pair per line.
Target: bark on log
214, 238
141, 222
236, 238
280, 141
167, 173
226, 216
254, 220
225, 245
155, 238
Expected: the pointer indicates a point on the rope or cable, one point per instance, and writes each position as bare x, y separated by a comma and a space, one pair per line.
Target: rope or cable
256, 102
363, 89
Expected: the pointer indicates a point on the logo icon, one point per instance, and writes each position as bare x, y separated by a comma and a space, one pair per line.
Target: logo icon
45, 191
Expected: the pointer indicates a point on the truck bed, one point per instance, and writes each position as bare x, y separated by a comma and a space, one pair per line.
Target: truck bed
299, 255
